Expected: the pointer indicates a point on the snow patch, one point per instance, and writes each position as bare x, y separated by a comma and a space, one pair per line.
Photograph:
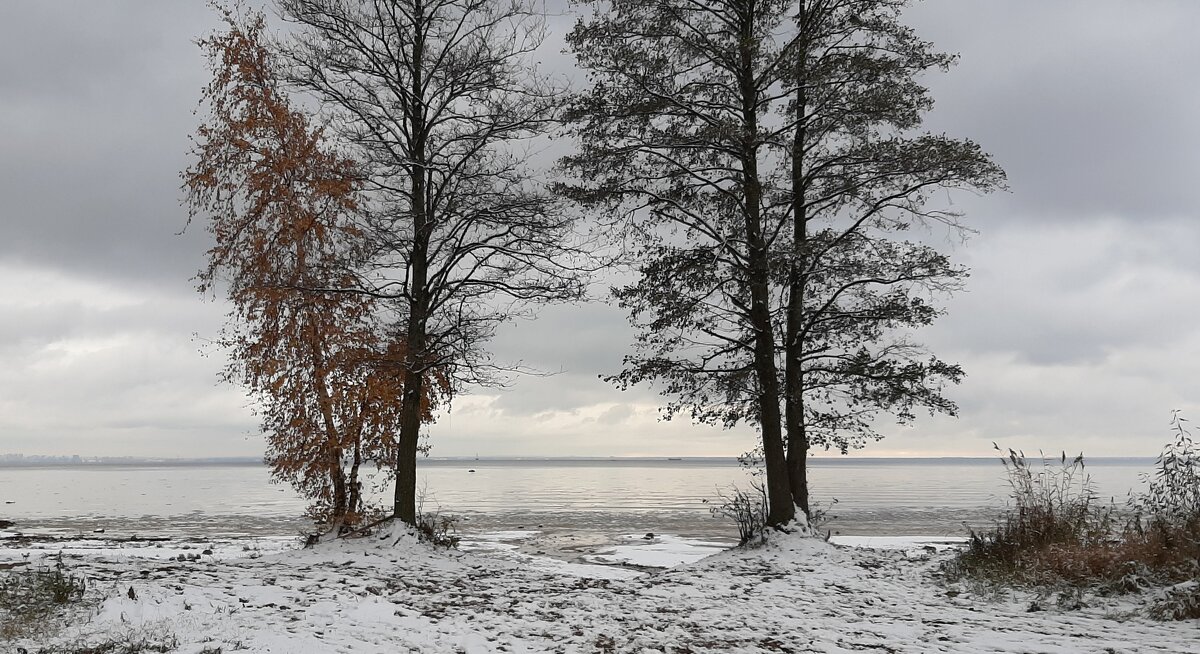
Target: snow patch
391, 593
900, 542
660, 551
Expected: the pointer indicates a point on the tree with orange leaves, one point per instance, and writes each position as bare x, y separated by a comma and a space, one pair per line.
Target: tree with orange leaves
280, 204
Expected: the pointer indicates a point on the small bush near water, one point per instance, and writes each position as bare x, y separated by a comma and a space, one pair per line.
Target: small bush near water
437, 529
746, 508
1167, 514
1057, 531
433, 527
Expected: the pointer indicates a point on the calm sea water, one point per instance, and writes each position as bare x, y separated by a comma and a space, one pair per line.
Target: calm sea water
931, 497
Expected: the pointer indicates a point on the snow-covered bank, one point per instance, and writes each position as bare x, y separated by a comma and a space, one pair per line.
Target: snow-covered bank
378, 595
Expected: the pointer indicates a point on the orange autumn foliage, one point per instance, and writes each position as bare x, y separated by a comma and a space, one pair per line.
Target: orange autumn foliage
280, 204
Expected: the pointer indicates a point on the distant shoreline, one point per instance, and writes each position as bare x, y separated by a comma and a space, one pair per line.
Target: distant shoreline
106, 462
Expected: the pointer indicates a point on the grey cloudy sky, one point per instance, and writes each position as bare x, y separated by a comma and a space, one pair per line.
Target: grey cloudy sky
1079, 330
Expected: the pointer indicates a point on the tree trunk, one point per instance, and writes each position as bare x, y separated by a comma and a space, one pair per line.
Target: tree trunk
337, 475
797, 434
797, 459
320, 363
354, 486
780, 509
405, 502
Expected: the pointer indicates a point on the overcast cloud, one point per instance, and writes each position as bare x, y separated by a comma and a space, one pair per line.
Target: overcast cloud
1078, 331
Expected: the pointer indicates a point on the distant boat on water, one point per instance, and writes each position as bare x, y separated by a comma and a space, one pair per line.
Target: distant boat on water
674, 458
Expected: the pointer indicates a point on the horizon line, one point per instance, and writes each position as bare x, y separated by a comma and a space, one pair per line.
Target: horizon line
18, 459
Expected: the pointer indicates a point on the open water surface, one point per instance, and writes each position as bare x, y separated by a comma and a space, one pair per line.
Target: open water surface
878, 497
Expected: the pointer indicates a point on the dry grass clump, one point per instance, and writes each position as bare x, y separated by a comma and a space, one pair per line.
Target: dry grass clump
1166, 517
1057, 531
31, 599
1055, 516
438, 530
130, 645
144, 639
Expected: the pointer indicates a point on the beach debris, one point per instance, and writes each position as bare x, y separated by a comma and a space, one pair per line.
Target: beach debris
132, 595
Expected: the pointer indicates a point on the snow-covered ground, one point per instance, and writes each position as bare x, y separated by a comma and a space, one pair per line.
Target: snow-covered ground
387, 594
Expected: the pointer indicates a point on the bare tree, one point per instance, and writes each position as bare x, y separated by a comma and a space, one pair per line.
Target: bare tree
280, 206
436, 100
762, 153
